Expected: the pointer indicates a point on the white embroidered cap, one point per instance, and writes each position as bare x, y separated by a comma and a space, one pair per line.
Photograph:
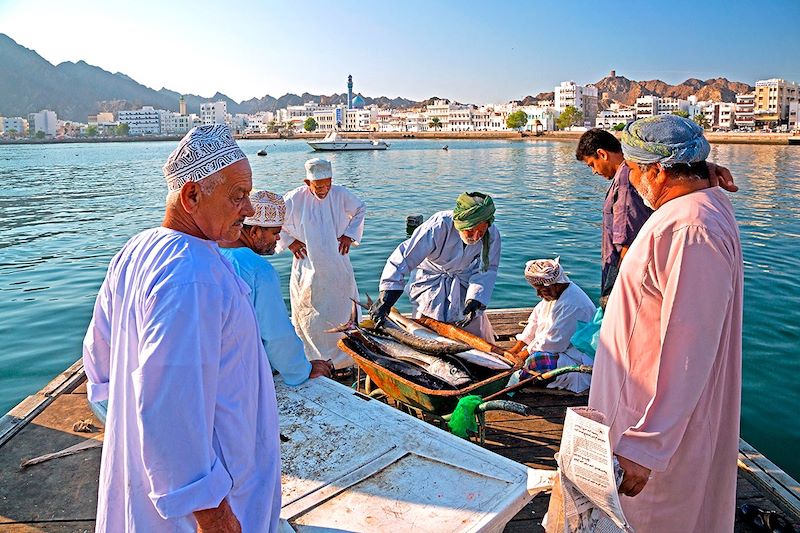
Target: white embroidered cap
318, 169
270, 210
202, 152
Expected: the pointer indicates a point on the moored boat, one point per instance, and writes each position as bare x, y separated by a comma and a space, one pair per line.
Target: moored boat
333, 142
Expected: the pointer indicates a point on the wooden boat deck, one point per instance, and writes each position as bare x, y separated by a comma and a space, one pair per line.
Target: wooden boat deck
61, 495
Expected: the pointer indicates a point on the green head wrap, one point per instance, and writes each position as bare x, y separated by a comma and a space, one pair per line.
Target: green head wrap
472, 208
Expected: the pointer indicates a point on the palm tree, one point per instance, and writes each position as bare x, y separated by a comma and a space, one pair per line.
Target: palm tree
701, 120
435, 123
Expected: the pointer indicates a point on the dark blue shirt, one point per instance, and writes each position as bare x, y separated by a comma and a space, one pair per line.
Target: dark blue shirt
624, 214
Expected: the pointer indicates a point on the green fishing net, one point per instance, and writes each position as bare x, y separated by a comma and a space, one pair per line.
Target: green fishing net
462, 421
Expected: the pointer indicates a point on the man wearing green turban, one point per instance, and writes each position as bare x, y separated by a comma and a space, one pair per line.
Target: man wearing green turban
452, 262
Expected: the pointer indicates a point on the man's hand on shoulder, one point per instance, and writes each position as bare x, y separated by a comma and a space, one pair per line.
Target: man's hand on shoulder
721, 177
320, 368
635, 476
344, 244
218, 520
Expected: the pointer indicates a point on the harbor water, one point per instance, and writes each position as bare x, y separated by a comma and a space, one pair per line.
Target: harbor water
65, 209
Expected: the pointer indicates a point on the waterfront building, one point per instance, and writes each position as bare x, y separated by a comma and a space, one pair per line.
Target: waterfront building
667, 105
357, 119
615, 114
539, 118
772, 100
744, 111
582, 97
172, 123
15, 126
214, 112
144, 121
45, 121
720, 116
481, 118
417, 122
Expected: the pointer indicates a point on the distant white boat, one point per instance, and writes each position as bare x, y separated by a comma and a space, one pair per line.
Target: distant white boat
334, 142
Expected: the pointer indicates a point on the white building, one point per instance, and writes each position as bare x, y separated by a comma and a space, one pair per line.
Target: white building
172, 123
539, 118
668, 105
582, 97
214, 112
744, 111
144, 121
720, 116
646, 106
45, 121
615, 114
17, 125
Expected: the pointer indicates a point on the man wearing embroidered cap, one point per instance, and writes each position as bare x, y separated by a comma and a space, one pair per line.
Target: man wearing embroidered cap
260, 234
454, 256
322, 222
667, 371
192, 429
546, 342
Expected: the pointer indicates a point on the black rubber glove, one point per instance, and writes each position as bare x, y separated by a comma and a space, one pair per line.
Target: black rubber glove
381, 309
471, 309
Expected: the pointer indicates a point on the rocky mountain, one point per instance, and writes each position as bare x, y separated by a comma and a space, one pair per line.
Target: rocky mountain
621, 90
75, 90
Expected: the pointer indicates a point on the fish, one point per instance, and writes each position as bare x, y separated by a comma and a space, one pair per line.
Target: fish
361, 345
473, 355
451, 371
430, 346
453, 332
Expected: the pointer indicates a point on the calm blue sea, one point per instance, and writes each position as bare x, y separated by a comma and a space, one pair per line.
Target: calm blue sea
66, 209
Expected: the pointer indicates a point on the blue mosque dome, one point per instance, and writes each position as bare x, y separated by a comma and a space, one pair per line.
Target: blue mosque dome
358, 102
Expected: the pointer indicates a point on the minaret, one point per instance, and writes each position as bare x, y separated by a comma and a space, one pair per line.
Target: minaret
349, 92
182, 106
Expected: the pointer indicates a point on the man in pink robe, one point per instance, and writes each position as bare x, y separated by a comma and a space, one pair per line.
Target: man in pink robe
667, 371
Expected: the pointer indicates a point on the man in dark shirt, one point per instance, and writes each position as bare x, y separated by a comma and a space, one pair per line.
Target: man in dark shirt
624, 211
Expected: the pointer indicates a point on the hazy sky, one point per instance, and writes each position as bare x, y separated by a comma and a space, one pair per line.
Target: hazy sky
469, 51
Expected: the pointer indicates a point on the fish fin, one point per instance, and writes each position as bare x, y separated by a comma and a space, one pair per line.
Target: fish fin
367, 306
369, 300
347, 326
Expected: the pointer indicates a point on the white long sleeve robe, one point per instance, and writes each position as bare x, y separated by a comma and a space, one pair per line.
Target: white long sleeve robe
173, 345
448, 272
550, 328
322, 283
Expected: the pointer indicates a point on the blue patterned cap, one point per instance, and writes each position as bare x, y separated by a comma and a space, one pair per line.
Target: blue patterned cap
202, 152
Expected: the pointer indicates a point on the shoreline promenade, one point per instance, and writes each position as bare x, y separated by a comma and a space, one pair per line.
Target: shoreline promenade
567, 136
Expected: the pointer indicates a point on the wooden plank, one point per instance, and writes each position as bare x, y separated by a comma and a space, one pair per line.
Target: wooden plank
765, 474
30, 407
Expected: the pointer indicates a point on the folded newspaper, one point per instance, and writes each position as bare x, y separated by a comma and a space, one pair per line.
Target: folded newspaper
585, 497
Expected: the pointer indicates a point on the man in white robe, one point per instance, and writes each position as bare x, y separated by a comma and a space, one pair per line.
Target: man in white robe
260, 234
323, 221
191, 438
545, 342
667, 373
454, 256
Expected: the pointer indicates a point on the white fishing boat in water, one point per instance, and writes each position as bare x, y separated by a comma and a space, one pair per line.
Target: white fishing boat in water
333, 142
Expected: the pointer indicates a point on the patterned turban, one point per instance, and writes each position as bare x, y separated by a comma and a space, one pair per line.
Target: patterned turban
202, 152
664, 139
545, 272
318, 169
270, 210
472, 208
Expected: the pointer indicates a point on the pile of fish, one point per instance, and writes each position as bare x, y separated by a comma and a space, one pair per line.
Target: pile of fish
418, 354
